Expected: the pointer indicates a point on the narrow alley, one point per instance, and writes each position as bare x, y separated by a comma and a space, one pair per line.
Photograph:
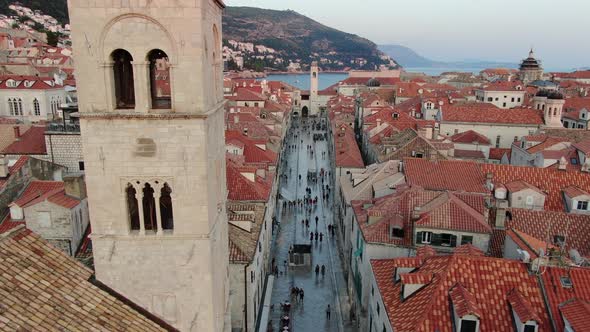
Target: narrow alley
307, 174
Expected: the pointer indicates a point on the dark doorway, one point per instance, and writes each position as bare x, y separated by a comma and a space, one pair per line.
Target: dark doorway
305, 111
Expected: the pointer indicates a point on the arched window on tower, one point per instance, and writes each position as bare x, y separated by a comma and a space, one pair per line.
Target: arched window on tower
132, 207
166, 208
150, 221
123, 77
36, 107
160, 80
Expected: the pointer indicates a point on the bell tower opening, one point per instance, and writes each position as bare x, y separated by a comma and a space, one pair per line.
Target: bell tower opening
123, 77
151, 104
161, 94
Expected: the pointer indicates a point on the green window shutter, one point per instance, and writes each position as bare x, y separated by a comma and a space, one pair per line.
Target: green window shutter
418, 237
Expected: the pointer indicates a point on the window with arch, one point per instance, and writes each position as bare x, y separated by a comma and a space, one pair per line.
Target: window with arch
123, 79
36, 107
15, 106
132, 207
166, 214
161, 92
149, 206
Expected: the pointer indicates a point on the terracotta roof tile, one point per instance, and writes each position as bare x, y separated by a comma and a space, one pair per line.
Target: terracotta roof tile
486, 113
445, 175
470, 137
488, 280
464, 302
31, 142
521, 306
576, 312
558, 295
43, 288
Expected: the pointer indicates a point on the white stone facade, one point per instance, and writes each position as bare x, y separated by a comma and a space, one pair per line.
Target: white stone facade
180, 274
502, 99
48, 100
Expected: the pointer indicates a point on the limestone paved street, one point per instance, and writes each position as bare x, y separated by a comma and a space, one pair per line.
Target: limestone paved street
319, 290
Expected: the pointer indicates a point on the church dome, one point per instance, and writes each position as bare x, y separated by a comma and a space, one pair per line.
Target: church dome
530, 62
373, 82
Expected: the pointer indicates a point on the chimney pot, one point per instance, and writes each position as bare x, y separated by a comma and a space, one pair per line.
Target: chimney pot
16, 132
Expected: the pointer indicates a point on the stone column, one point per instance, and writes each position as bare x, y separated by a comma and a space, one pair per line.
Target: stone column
107, 69
142, 85
139, 197
157, 194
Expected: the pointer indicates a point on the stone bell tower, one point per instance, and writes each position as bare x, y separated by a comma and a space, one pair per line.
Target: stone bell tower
149, 76
313, 90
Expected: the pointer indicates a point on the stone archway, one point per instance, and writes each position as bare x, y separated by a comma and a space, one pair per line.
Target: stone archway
305, 111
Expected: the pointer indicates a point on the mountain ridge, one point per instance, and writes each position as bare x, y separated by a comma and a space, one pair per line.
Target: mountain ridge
300, 38
407, 57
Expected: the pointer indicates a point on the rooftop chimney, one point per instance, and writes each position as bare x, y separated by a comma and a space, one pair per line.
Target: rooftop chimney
75, 186
562, 164
16, 132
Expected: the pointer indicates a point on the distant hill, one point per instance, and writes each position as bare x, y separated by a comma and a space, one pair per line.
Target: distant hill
294, 36
298, 37
409, 58
56, 8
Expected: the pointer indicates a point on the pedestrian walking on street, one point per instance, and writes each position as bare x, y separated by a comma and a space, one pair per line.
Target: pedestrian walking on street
301, 295
311, 236
323, 270
316, 236
328, 312
317, 270
321, 236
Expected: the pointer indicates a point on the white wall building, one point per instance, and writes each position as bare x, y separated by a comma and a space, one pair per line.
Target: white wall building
30, 98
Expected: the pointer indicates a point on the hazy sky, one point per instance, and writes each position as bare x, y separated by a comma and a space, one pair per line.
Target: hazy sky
500, 30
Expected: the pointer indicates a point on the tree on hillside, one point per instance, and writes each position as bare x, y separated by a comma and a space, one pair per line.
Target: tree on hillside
52, 38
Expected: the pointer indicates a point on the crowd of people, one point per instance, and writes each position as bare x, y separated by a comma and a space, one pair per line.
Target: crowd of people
305, 205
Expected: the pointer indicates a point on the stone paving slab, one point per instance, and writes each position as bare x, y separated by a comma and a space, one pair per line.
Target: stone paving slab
319, 290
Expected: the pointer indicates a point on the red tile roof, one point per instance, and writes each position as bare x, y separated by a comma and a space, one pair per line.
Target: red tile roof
558, 295
488, 280
242, 189
348, 154
28, 83
252, 153
245, 94
583, 146
8, 224
487, 113
43, 289
576, 312
444, 175
451, 213
549, 180
31, 142
470, 137
468, 154
545, 225
52, 191
464, 302
522, 307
